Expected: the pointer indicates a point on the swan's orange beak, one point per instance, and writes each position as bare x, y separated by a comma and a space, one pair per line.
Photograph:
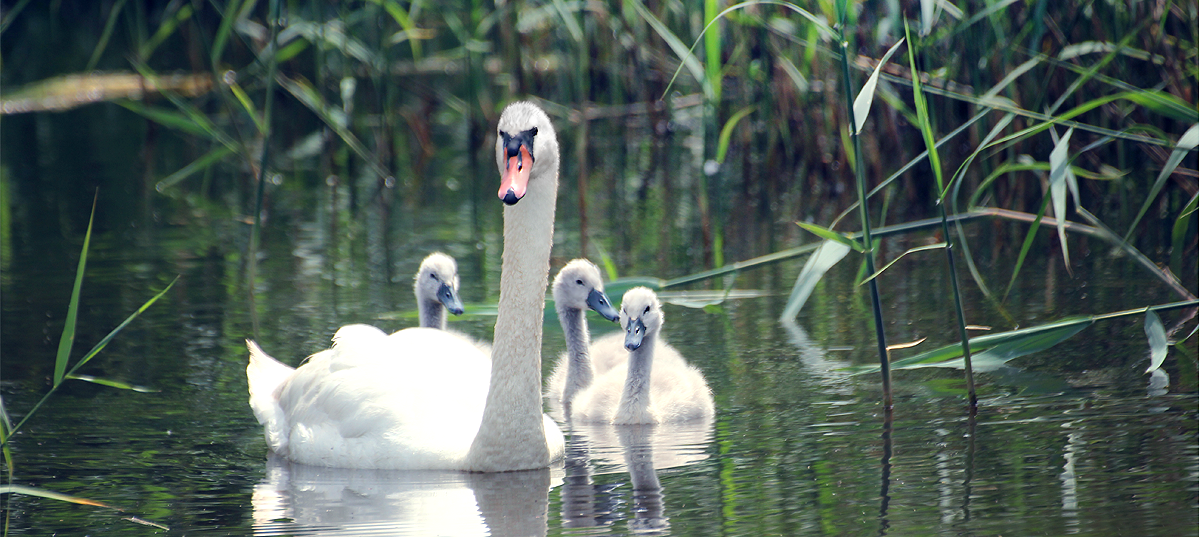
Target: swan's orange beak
516, 177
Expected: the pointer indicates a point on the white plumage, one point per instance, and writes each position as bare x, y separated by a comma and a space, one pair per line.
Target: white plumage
639, 378
424, 398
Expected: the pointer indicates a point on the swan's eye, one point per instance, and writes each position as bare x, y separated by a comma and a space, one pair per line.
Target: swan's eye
580, 282
647, 310
533, 131
433, 276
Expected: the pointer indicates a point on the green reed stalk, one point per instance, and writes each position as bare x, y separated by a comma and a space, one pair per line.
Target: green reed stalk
860, 182
936, 163
252, 257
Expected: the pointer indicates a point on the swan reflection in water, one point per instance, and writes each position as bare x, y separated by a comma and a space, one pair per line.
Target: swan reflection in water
298, 499
640, 450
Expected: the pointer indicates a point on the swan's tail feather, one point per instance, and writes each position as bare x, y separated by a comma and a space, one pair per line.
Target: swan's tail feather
265, 375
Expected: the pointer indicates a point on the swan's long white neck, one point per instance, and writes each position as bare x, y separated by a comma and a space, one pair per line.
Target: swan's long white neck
512, 428
432, 313
579, 365
635, 399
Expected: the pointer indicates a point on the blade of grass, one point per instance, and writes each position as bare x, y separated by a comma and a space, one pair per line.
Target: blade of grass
67, 339
170, 119
831, 235
50, 495
90, 354
937, 246
1004, 346
1025, 247
862, 103
169, 24
6, 426
111, 383
105, 35
1179, 233
826, 256
228, 20
218, 154
727, 131
1189, 141
1157, 337
1058, 191
247, 104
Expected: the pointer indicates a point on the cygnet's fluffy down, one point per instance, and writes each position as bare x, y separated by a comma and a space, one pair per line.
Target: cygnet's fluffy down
653, 383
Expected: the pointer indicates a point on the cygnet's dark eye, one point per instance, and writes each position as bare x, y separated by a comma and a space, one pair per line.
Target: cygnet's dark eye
647, 310
580, 282
432, 275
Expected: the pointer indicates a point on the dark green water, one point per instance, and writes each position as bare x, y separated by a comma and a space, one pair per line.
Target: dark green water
1075, 440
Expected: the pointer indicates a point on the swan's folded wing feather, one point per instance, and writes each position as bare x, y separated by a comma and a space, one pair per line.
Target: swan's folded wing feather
410, 400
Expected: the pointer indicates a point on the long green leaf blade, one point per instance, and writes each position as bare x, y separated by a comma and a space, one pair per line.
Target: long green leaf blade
938, 246
1000, 347
1189, 141
862, 103
5, 427
727, 132
1058, 191
67, 340
212, 157
831, 235
111, 383
103, 342
821, 261
1157, 336
42, 493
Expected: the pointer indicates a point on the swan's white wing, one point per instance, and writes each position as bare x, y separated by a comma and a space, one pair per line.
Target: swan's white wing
410, 400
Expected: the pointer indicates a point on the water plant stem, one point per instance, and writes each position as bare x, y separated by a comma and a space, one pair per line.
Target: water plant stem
264, 161
936, 164
861, 186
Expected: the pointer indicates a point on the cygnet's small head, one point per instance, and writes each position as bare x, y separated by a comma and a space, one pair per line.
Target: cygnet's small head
437, 280
578, 286
641, 314
524, 139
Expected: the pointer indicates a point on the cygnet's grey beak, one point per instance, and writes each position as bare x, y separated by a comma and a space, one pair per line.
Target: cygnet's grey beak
599, 303
449, 298
634, 334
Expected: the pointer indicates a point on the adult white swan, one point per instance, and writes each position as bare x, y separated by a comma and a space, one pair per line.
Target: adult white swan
423, 398
657, 386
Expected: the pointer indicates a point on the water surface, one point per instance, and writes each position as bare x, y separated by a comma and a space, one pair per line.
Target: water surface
1074, 440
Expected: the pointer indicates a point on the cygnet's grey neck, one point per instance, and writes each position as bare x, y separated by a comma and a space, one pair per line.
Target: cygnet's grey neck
579, 364
636, 397
432, 313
